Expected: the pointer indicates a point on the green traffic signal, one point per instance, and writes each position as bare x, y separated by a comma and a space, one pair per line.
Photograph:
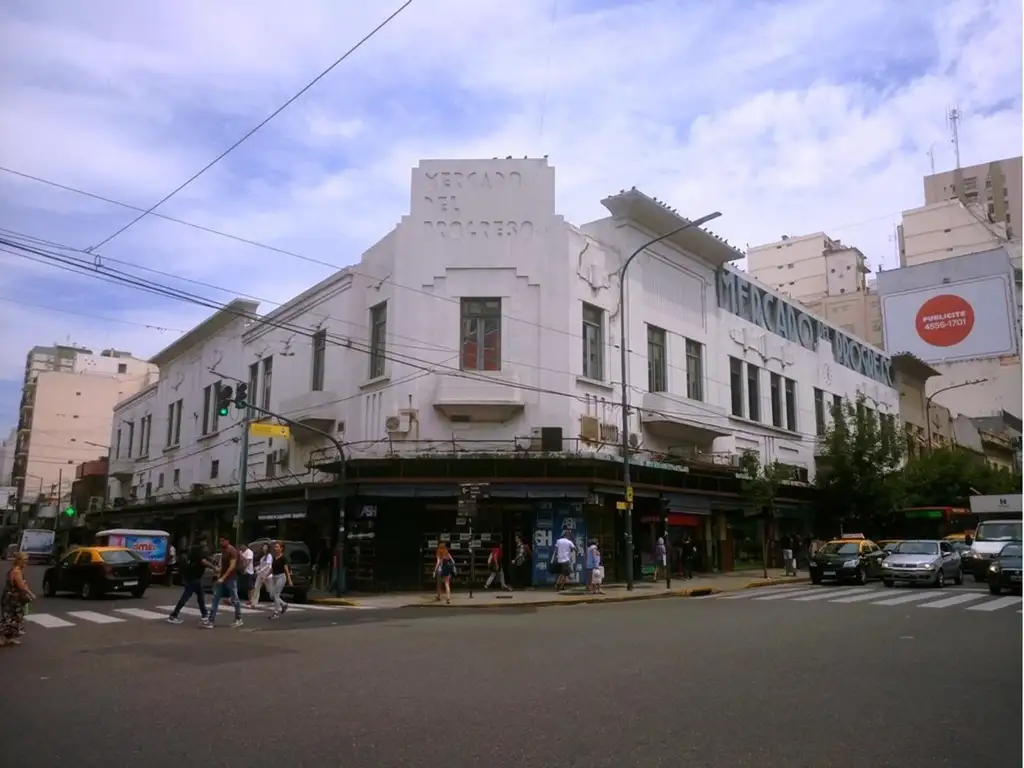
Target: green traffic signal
70, 512
223, 411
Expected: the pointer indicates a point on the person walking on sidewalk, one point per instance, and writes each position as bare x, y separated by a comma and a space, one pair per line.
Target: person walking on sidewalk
226, 584
494, 565
280, 575
263, 575
444, 569
689, 552
522, 565
595, 571
565, 551
245, 573
197, 560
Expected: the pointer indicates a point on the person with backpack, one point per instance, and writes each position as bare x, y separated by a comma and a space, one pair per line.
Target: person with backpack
497, 571
226, 584
197, 560
523, 563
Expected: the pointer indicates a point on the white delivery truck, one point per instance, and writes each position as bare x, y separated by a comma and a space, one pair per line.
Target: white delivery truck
989, 539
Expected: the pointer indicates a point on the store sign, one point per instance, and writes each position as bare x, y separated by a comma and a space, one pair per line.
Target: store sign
766, 310
282, 516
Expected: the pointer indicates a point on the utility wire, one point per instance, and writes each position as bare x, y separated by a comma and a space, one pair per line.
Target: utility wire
262, 123
102, 318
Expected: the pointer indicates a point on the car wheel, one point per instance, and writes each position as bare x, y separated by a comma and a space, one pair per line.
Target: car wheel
889, 582
940, 579
995, 589
861, 577
138, 592
49, 589
959, 578
86, 591
815, 579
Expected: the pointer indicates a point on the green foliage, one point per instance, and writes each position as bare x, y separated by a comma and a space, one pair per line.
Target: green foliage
859, 476
760, 483
948, 477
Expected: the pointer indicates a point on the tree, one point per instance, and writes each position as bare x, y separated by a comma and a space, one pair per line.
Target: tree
859, 477
948, 477
760, 485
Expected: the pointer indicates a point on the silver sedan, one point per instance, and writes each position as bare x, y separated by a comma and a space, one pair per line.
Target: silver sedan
929, 562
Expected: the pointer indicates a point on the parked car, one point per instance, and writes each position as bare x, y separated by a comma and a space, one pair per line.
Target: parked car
851, 558
1005, 570
92, 572
933, 563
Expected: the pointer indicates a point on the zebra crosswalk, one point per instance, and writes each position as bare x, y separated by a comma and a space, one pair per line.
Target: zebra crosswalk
112, 615
978, 601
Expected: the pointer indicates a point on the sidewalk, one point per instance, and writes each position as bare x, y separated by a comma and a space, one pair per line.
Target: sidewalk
699, 586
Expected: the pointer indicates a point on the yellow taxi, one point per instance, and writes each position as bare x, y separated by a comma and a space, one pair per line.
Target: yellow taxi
849, 558
92, 572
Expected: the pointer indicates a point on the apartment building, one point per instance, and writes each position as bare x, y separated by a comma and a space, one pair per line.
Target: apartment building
478, 342
995, 187
7, 449
68, 397
945, 230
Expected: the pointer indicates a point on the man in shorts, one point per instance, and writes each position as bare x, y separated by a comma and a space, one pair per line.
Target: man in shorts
565, 551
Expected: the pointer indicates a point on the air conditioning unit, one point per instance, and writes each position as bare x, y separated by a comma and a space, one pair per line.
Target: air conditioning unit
634, 440
590, 429
610, 433
400, 424
95, 504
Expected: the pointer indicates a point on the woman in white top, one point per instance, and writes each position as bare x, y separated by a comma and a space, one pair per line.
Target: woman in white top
262, 566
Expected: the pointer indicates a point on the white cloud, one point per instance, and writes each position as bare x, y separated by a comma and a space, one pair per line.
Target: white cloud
788, 117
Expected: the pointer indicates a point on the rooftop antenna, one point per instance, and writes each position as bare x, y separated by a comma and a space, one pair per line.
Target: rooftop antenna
931, 157
953, 117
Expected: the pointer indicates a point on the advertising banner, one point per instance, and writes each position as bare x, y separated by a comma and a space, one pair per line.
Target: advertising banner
152, 549
552, 519
36, 541
964, 320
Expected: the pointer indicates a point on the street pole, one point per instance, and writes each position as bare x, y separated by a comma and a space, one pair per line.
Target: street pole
928, 405
623, 365
243, 472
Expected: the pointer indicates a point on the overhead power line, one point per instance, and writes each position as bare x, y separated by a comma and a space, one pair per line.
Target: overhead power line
259, 125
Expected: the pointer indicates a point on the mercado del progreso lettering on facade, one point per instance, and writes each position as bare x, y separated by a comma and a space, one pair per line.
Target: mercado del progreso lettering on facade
766, 310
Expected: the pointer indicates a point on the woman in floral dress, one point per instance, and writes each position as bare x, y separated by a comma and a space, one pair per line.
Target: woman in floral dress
12, 602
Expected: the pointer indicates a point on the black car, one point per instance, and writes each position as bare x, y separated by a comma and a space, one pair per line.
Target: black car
1005, 570
857, 560
92, 572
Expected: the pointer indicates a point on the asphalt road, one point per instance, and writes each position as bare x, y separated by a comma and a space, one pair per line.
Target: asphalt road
714, 683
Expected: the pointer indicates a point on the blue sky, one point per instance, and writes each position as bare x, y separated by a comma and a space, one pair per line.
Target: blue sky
789, 117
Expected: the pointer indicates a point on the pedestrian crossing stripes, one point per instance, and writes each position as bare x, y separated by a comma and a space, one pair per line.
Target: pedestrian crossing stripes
874, 595
159, 613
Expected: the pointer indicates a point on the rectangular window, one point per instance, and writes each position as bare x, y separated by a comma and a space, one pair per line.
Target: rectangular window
695, 370
378, 339
215, 411
170, 425
142, 436
117, 448
480, 342
131, 438
149, 431
657, 363
819, 412
214, 469
593, 342
177, 478
753, 392
268, 376
207, 407
837, 406
791, 405
775, 385
254, 383
177, 422
736, 385
319, 359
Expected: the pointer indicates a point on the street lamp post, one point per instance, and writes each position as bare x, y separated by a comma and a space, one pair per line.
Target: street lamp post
928, 404
623, 363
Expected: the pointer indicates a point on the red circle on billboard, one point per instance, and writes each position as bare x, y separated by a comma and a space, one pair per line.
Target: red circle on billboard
945, 320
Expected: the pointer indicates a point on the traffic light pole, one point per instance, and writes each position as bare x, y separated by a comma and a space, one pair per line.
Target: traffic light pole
243, 474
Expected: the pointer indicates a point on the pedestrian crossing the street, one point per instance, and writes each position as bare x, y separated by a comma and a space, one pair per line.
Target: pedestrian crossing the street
63, 619
977, 601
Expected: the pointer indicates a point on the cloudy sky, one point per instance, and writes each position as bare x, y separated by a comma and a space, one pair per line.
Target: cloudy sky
789, 117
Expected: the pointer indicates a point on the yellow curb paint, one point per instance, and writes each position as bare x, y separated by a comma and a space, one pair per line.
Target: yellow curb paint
333, 601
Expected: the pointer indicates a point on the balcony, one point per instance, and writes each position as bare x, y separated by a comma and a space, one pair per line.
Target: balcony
312, 409
122, 468
492, 396
683, 423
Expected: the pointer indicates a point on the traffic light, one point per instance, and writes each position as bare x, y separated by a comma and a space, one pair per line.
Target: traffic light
224, 395
70, 512
241, 396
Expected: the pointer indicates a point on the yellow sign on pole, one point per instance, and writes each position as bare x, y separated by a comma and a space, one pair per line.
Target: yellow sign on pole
260, 429
629, 494
621, 505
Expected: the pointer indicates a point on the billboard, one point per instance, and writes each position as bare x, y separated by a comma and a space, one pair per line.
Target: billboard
963, 320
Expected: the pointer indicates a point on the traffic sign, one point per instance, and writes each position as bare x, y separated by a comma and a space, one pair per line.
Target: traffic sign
262, 429
629, 494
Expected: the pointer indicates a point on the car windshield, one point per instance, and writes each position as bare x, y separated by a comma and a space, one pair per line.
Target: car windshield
999, 532
891, 546
119, 557
841, 548
917, 548
1011, 550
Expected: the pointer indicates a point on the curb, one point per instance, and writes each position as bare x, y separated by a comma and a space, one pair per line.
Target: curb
334, 601
777, 582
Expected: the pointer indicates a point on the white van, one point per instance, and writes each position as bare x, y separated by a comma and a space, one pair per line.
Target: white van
989, 538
